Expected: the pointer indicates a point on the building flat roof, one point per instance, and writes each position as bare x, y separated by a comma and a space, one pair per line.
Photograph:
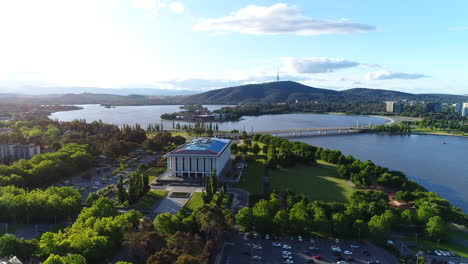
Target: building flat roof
212, 146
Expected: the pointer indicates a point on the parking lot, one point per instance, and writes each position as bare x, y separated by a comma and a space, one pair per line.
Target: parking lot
261, 250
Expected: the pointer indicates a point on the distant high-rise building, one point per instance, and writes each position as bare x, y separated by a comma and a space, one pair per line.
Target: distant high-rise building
434, 107
458, 107
394, 107
465, 109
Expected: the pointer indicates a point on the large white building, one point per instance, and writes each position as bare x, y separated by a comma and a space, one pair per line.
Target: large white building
12, 152
200, 158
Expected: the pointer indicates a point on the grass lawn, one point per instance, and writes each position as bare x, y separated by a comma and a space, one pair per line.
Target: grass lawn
436, 132
316, 182
424, 245
154, 172
150, 199
195, 201
252, 180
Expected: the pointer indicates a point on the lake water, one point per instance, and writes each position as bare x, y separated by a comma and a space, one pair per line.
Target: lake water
439, 167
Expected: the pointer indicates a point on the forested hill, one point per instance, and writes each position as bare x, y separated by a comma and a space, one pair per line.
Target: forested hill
287, 91
263, 93
272, 92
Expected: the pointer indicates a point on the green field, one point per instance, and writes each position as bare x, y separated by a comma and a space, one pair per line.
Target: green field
316, 182
150, 199
252, 180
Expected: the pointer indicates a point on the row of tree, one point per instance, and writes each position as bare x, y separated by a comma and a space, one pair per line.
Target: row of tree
49, 167
401, 128
53, 203
138, 186
280, 151
365, 174
368, 215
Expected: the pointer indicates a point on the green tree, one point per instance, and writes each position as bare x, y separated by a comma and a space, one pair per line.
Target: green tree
436, 227
245, 218
255, 149
164, 223
121, 192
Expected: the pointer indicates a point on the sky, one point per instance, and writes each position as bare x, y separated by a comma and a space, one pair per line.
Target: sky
410, 46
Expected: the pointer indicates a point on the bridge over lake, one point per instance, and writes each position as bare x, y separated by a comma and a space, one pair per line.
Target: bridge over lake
299, 132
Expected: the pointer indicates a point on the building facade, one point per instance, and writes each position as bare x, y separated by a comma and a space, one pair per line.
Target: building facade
465, 109
13, 152
394, 107
200, 158
434, 107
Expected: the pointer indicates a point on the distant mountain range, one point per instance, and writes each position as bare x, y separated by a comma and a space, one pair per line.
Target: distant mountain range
26, 90
272, 92
287, 91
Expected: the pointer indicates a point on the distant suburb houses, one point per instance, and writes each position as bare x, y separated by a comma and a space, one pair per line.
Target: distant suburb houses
14, 152
200, 158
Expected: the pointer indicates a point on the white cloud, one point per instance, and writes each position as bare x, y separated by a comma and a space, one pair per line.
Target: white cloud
388, 75
177, 7
316, 65
150, 6
278, 19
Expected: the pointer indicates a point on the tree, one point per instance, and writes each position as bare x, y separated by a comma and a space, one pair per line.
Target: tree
164, 256
245, 218
70, 259
436, 227
409, 217
12, 246
121, 193
379, 227
255, 149
164, 224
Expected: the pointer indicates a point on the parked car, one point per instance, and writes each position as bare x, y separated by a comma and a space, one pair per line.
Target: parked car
257, 257
347, 252
276, 244
299, 238
286, 246
318, 257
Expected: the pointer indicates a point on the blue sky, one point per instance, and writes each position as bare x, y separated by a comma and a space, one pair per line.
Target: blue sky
412, 46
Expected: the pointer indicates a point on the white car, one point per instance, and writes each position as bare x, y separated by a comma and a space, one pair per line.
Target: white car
286, 252
354, 246
276, 244
299, 238
288, 261
255, 246
267, 237
341, 262
257, 257
286, 247
347, 252
286, 256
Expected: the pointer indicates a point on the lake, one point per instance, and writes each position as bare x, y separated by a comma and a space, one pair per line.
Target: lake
439, 167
